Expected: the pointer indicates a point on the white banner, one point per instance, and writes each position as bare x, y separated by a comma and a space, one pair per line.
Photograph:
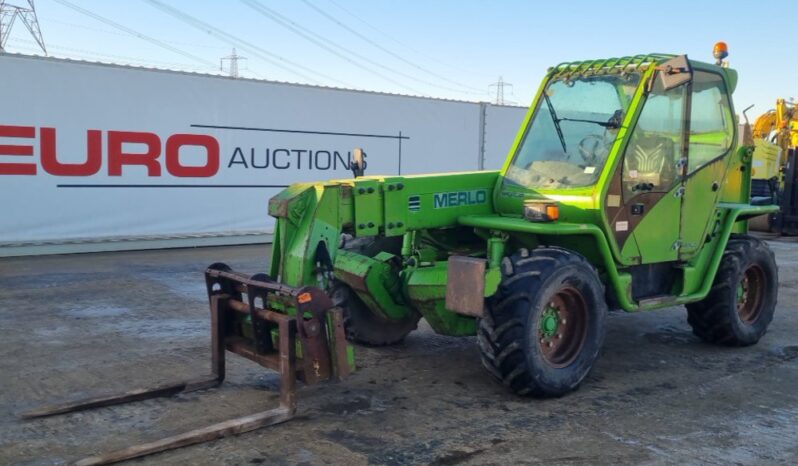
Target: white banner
90, 151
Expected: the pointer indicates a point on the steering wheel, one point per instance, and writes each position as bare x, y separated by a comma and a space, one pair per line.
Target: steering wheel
589, 146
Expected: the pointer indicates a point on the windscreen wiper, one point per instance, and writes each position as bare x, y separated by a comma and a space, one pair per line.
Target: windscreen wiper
605, 124
556, 121
613, 123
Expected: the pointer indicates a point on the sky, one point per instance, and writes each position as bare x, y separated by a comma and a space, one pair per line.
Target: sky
451, 49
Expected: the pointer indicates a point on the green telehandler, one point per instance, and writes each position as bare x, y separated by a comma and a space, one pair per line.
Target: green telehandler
624, 189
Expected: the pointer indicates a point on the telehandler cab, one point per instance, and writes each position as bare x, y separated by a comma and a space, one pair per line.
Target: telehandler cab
624, 188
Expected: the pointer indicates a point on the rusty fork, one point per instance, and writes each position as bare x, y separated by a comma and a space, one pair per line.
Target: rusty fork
226, 290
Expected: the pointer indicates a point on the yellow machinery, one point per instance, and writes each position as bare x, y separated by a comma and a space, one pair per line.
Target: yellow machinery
778, 126
775, 135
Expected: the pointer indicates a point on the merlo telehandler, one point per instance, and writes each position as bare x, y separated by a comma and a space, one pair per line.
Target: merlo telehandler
624, 189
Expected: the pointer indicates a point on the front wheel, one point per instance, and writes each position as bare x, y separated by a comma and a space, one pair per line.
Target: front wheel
363, 326
741, 303
543, 329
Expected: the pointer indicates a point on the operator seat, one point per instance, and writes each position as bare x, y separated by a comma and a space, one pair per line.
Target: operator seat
650, 159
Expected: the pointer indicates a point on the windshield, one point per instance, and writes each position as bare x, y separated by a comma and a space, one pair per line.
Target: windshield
574, 127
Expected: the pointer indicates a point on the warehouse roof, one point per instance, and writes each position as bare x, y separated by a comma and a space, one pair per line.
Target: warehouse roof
220, 76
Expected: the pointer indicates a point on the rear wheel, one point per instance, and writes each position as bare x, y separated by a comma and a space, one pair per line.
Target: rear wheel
742, 300
544, 328
362, 325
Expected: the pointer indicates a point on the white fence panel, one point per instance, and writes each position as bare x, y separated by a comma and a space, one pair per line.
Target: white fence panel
92, 152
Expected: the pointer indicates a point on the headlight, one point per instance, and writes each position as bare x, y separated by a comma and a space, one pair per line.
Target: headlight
541, 211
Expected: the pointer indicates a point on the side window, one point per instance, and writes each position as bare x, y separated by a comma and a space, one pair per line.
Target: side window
656, 143
711, 124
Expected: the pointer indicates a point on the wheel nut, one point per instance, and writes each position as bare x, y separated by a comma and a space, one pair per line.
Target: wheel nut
559, 335
550, 344
563, 321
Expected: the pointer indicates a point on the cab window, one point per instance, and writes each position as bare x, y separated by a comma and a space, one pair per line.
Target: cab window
711, 123
572, 132
655, 146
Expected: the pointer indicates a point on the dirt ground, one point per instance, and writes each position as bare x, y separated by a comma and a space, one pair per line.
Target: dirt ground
87, 324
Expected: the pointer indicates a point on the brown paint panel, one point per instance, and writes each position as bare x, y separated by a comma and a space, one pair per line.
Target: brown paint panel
624, 211
647, 200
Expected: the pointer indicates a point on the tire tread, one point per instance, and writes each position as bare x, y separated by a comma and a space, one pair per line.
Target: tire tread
501, 331
711, 319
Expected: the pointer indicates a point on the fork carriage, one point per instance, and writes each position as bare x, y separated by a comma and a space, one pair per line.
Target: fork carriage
306, 345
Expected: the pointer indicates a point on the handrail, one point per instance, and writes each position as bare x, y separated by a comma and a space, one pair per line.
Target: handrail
614, 63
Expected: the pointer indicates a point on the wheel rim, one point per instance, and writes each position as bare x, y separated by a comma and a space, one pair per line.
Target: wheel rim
750, 294
562, 329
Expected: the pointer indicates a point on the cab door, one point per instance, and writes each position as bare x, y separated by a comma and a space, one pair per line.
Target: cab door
643, 202
711, 133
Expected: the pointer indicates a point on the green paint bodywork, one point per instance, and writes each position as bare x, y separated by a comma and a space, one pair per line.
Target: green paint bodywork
426, 288
479, 215
375, 281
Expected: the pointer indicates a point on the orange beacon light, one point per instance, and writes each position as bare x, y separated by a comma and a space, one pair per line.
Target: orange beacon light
720, 51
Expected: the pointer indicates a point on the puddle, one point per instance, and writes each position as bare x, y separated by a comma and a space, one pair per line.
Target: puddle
190, 285
50, 332
97, 311
670, 335
160, 329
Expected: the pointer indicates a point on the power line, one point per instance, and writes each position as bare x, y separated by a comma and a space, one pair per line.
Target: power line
389, 52
320, 41
328, 45
8, 16
124, 60
382, 32
90, 55
48, 19
251, 48
134, 33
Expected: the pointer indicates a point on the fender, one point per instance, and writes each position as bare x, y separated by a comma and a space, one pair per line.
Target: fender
707, 264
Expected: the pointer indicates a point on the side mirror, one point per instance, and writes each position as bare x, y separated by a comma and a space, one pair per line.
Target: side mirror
675, 72
358, 165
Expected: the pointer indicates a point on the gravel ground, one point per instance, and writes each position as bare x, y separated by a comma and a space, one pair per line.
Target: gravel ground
81, 325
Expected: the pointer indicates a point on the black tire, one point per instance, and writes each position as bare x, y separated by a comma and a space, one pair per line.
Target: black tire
741, 303
364, 326
513, 337
360, 323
